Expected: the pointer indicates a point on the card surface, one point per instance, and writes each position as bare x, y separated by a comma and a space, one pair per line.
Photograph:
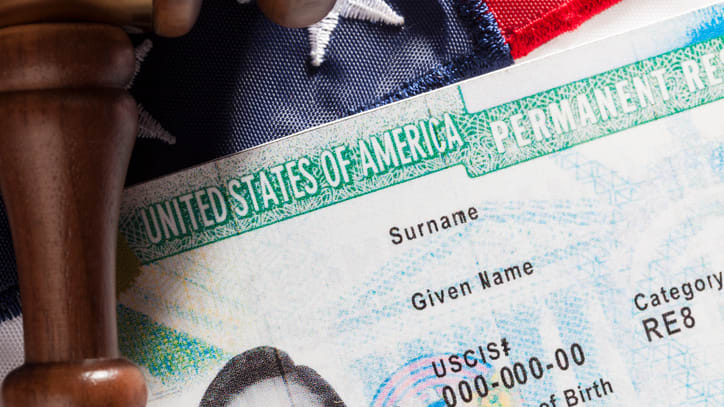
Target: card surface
547, 235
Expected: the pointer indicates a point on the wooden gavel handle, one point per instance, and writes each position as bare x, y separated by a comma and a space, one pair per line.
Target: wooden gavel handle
67, 128
66, 134
67, 131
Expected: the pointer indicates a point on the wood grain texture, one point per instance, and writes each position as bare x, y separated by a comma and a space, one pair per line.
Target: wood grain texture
49, 56
66, 136
135, 13
62, 168
103, 382
296, 13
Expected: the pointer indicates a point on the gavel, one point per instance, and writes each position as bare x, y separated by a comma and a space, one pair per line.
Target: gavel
67, 129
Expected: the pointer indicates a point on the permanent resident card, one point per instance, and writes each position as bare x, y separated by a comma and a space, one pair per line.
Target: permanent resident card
551, 234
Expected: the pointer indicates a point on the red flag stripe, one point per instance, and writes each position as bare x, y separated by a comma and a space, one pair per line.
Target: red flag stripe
526, 24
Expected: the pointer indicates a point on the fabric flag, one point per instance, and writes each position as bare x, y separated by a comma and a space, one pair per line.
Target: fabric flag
526, 24
237, 80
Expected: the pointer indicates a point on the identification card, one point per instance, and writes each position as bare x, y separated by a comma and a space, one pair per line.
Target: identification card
551, 234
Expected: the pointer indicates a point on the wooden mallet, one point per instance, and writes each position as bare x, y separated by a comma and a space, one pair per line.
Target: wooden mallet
67, 128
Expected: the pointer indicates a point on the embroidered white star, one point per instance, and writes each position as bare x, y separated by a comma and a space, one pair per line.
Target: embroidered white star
148, 127
374, 11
